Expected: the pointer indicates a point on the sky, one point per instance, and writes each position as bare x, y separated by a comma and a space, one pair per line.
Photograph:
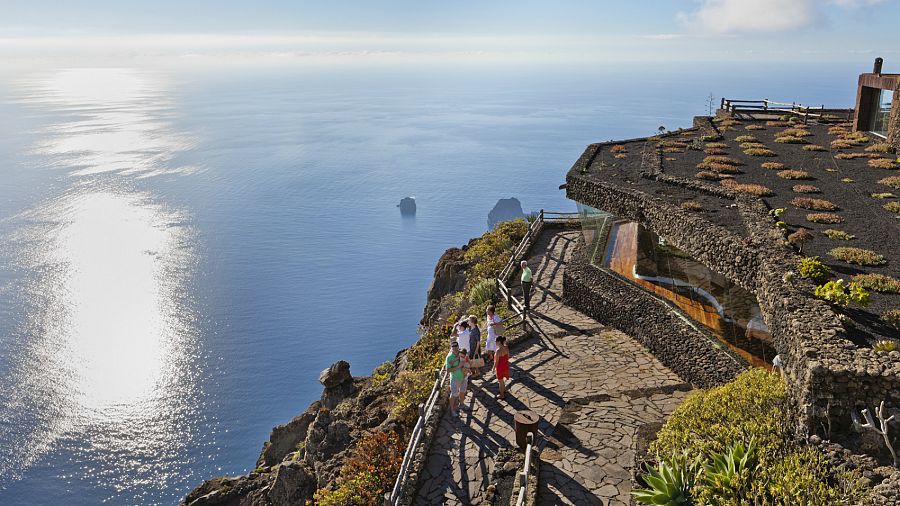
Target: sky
278, 31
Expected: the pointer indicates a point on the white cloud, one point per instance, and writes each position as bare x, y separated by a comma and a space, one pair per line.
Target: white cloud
745, 16
729, 16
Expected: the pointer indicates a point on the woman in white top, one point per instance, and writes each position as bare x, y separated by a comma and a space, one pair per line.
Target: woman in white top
493, 325
461, 331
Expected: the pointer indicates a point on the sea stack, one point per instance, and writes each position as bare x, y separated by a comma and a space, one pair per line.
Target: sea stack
505, 210
407, 206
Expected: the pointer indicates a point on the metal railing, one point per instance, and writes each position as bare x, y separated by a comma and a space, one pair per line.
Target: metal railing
531, 235
426, 411
770, 106
523, 475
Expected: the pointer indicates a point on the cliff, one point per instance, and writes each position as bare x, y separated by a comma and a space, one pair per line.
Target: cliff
360, 425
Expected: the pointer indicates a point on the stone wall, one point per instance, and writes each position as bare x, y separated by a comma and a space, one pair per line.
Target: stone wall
684, 348
828, 375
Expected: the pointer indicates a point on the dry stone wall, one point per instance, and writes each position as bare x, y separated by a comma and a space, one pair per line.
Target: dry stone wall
828, 374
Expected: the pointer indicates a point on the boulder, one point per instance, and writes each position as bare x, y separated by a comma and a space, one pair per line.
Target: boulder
505, 210
294, 483
285, 438
407, 206
337, 374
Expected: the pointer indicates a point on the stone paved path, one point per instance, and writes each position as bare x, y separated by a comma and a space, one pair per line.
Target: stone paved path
593, 387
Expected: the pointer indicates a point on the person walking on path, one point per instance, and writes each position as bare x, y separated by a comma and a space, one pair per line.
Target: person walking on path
454, 366
501, 365
474, 344
526, 284
492, 323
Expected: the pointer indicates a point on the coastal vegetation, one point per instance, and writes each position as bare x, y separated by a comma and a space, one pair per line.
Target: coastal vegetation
732, 445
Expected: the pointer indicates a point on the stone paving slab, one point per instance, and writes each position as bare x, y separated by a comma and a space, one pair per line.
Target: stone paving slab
592, 386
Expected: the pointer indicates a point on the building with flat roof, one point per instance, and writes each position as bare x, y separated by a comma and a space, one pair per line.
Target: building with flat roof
878, 104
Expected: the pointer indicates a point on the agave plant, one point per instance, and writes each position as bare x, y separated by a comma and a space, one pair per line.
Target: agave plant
670, 484
731, 472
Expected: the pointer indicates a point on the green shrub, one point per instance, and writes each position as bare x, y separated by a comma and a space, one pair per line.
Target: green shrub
813, 269
368, 474
803, 477
858, 256
885, 346
709, 421
712, 425
730, 474
382, 373
411, 388
670, 483
483, 291
838, 234
877, 282
838, 293
491, 251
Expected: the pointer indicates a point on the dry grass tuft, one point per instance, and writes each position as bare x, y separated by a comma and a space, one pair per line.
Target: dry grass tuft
829, 218
721, 159
814, 147
813, 204
618, 148
716, 145
721, 168
793, 132
745, 138
759, 152
709, 175
751, 145
621, 155
777, 123
790, 140
805, 188
858, 256
794, 174
692, 205
749, 188
754, 127
892, 181
840, 235
714, 151
839, 144
772, 166
673, 150
893, 207
880, 147
853, 156
883, 163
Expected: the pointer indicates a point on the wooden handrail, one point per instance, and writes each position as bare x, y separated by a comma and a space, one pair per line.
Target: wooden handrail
425, 412
523, 475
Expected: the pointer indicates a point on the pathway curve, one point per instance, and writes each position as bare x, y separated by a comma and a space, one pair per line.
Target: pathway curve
593, 387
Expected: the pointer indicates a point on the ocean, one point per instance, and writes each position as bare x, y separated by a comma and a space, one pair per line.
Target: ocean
183, 251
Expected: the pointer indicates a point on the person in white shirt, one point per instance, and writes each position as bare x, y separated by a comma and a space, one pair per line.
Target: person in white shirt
493, 325
461, 331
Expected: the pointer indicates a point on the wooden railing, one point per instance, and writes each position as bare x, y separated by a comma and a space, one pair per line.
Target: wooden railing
770, 106
531, 235
523, 475
426, 411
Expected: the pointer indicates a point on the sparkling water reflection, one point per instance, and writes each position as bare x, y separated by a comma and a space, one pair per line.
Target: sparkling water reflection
101, 364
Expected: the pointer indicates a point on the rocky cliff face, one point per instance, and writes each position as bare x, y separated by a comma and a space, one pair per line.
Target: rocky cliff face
306, 453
